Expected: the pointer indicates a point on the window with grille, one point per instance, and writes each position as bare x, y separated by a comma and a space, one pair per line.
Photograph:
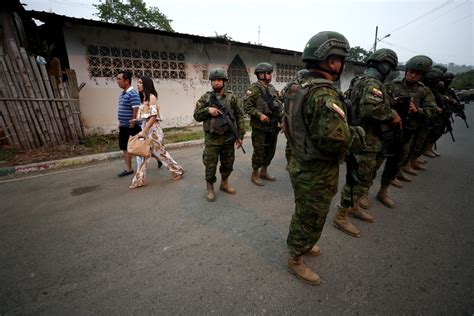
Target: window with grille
106, 62
285, 72
238, 77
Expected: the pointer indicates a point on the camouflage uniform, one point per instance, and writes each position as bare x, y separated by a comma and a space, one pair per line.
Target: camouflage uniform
264, 135
218, 145
426, 106
372, 104
315, 181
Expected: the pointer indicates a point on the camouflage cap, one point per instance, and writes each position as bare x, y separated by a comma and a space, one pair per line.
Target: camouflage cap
420, 63
218, 73
325, 44
263, 67
384, 54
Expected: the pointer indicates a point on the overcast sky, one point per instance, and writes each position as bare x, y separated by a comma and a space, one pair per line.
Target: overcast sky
442, 30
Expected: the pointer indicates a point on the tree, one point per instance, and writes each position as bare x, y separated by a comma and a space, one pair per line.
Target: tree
463, 81
133, 13
357, 53
223, 36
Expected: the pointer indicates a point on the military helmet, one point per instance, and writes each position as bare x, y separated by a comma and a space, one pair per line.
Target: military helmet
325, 44
420, 63
218, 73
434, 73
448, 75
263, 67
441, 67
384, 54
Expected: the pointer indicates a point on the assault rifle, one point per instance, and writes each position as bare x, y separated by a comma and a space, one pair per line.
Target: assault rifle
458, 111
402, 106
273, 109
227, 118
446, 114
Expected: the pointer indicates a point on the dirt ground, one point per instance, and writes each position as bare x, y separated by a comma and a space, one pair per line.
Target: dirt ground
95, 144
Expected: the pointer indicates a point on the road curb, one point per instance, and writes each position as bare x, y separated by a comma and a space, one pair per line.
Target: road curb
82, 160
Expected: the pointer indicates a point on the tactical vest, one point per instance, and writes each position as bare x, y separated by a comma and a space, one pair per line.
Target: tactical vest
296, 130
218, 125
354, 95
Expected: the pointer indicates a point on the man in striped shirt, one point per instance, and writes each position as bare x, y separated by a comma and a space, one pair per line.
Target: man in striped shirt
129, 102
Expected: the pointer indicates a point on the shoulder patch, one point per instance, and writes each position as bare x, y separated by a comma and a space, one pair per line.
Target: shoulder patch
376, 92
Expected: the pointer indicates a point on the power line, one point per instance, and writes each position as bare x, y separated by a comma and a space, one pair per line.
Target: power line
463, 3
422, 16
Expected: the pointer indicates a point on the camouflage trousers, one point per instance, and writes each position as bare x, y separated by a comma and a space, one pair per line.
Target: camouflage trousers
420, 141
314, 186
390, 169
264, 146
213, 152
367, 167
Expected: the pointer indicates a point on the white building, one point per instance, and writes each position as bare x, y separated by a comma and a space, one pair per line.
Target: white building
178, 64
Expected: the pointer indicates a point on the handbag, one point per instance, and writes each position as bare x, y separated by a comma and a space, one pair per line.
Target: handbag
138, 146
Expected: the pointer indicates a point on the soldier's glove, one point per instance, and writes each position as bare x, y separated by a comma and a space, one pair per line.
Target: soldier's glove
357, 143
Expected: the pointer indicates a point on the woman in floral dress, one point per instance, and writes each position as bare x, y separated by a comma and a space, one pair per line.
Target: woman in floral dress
149, 116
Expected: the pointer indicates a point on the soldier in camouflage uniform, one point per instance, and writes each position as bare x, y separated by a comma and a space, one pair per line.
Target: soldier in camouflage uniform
261, 103
316, 128
372, 111
218, 137
422, 108
432, 80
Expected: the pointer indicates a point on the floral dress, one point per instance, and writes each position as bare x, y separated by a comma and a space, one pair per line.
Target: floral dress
155, 136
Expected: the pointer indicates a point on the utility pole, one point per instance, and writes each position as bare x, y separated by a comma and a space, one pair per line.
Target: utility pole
258, 42
375, 41
378, 39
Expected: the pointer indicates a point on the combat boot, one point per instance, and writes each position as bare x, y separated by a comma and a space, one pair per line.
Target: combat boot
357, 212
415, 165
341, 222
429, 152
301, 271
264, 175
403, 177
408, 169
210, 192
421, 160
396, 183
383, 197
364, 201
225, 186
255, 178
314, 252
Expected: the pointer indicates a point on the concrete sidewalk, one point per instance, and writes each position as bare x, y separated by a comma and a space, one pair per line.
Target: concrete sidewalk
87, 159
82, 160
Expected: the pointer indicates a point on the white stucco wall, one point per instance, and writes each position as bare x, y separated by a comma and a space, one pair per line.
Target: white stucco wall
177, 97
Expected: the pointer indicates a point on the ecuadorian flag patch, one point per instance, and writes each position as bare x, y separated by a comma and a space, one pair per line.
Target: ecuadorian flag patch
338, 110
376, 92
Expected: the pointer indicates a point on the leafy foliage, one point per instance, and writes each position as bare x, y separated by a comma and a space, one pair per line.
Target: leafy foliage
463, 81
358, 53
223, 36
133, 13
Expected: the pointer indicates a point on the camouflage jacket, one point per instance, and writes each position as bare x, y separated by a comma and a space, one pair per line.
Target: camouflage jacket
422, 97
255, 105
371, 104
201, 114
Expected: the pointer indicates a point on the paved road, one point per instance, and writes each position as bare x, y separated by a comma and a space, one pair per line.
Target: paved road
81, 242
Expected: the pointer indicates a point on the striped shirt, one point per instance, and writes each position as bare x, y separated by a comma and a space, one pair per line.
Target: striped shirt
127, 101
